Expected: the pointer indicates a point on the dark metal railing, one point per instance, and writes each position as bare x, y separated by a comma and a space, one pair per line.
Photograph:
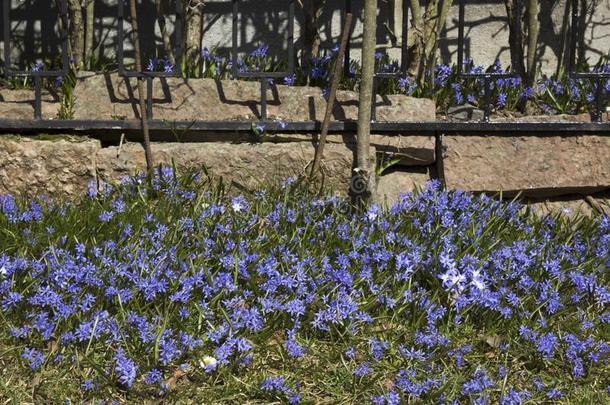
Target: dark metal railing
487, 77
596, 77
149, 76
39, 73
264, 77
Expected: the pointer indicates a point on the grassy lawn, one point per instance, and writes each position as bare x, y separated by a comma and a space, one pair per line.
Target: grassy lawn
172, 291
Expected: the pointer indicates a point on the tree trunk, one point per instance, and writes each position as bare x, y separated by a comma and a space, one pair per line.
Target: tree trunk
580, 34
363, 182
426, 31
194, 34
167, 40
563, 60
417, 32
533, 28
89, 33
312, 11
437, 19
77, 34
514, 13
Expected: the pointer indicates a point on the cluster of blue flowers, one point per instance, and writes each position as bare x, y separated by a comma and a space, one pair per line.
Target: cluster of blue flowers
553, 95
162, 65
446, 297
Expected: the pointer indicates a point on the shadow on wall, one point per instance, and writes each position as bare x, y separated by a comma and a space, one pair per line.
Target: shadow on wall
487, 24
34, 29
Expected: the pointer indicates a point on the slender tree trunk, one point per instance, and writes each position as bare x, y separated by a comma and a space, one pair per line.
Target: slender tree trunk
582, 24
312, 10
426, 30
77, 34
364, 176
417, 32
89, 33
436, 22
533, 28
563, 61
514, 12
141, 95
167, 40
194, 34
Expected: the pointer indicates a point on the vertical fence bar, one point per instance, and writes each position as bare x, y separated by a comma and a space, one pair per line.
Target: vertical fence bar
599, 95
38, 96
149, 97
404, 52
65, 56
121, 37
348, 49
234, 38
573, 36
178, 34
487, 84
264, 98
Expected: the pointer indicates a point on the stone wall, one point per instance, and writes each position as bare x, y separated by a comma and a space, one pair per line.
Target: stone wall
34, 24
571, 170
66, 166
553, 173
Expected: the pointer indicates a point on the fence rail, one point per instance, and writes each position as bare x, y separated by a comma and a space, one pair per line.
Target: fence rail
487, 77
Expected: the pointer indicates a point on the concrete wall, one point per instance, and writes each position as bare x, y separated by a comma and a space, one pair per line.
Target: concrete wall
33, 27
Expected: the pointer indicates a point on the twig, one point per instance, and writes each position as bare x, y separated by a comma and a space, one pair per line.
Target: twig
143, 110
118, 153
595, 205
332, 95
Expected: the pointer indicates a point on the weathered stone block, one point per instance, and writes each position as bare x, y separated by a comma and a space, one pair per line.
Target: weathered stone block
19, 104
49, 167
244, 166
537, 166
395, 182
412, 150
101, 96
563, 207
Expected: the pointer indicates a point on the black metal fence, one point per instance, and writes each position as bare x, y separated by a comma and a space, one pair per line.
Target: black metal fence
264, 77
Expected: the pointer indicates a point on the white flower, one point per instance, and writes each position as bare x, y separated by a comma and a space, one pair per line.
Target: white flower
237, 206
457, 278
208, 363
372, 213
478, 283
3, 271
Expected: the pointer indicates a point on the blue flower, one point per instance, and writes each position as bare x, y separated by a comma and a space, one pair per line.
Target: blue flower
125, 368
153, 376
362, 370
260, 51
34, 357
88, 385
479, 382
290, 80
152, 65
501, 100
168, 67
